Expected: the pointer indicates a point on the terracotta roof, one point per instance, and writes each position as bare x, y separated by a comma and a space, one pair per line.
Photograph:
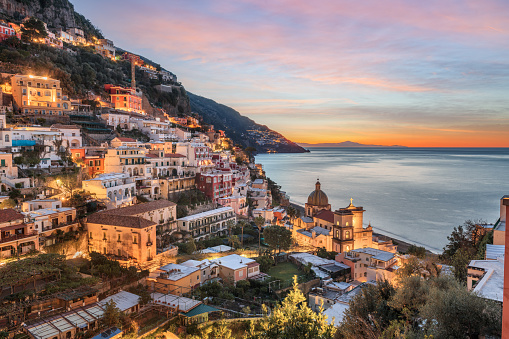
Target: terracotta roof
10, 214
174, 155
140, 208
325, 215
151, 155
126, 139
102, 218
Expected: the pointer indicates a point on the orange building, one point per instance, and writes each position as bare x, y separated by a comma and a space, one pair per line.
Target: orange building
125, 98
93, 160
123, 237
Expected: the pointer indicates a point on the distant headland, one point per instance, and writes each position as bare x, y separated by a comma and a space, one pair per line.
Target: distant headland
345, 144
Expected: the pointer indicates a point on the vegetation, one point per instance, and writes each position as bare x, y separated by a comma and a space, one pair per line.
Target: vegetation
33, 29
112, 314
323, 253
418, 251
103, 267
284, 271
438, 307
293, 319
266, 262
278, 238
466, 242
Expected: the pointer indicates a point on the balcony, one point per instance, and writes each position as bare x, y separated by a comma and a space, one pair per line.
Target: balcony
18, 237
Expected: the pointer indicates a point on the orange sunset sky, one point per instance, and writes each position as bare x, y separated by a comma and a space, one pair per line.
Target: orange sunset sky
412, 73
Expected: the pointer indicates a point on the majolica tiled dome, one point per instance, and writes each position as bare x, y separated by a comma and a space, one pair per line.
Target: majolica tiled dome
318, 197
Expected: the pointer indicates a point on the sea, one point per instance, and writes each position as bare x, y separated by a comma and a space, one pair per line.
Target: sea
417, 195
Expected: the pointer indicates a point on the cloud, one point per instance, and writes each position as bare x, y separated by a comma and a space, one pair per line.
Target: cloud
326, 66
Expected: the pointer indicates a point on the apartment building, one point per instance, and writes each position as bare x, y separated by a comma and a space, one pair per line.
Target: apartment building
125, 98
369, 264
208, 224
38, 204
161, 212
128, 160
113, 189
106, 48
237, 202
117, 118
16, 237
166, 164
175, 279
39, 96
91, 158
121, 236
197, 154
234, 268
215, 185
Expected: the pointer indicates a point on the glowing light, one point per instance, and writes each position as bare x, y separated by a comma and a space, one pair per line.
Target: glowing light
31, 76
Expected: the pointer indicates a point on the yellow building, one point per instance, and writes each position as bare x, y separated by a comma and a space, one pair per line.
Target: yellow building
35, 95
123, 237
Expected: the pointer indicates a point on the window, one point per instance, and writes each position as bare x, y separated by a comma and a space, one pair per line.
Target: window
2, 163
347, 234
241, 273
104, 235
119, 252
118, 238
135, 240
7, 138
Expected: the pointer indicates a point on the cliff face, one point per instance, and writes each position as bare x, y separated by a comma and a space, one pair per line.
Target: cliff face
241, 129
56, 13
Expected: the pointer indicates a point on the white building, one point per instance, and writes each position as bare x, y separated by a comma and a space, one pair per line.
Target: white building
70, 135
208, 224
114, 189
486, 277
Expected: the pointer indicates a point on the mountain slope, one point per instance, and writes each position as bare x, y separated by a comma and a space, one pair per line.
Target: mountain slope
83, 71
241, 129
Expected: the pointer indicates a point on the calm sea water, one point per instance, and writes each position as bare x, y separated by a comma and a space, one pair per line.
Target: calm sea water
413, 194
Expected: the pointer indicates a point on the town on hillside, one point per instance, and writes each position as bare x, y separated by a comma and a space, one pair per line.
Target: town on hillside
120, 218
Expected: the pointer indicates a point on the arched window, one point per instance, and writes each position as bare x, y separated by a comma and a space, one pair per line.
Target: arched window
7, 138
347, 235
347, 224
348, 248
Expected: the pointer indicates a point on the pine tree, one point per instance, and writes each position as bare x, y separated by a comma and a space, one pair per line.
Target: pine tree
293, 319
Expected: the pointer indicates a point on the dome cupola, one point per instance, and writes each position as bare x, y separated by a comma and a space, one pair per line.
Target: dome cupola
318, 197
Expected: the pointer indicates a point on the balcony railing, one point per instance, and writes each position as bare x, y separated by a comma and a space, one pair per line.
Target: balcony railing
17, 237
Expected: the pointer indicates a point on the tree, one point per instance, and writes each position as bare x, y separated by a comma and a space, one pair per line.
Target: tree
68, 182
221, 330
278, 238
190, 246
418, 251
33, 29
454, 310
259, 222
369, 313
291, 212
14, 194
8, 203
112, 314
293, 319
265, 262
242, 224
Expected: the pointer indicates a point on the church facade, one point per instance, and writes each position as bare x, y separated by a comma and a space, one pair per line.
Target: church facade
345, 224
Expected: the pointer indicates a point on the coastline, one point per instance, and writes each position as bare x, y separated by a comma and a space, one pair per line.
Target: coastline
402, 245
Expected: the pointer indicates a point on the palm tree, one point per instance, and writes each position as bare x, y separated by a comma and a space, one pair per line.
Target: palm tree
242, 224
259, 222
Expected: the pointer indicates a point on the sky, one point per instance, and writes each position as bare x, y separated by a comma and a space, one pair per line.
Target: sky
429, 73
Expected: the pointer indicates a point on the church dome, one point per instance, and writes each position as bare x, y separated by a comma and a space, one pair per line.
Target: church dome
318, 197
